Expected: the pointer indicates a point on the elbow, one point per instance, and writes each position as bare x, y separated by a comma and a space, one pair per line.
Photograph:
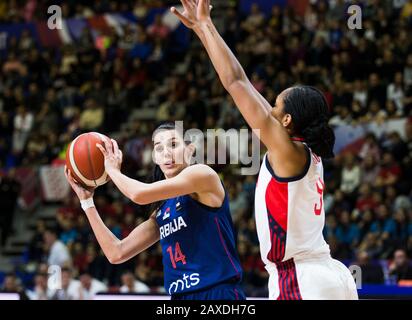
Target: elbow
116, 256
115, 259
236, 77
235, 84
140, 198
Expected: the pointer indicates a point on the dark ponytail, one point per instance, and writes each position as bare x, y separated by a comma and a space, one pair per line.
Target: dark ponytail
310, 116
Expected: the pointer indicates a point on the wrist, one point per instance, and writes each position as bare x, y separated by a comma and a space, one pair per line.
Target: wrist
200, 26
87, 203
111, 170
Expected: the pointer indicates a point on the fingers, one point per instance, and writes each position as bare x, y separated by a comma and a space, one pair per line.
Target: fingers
69, 177
115, 146
102, 150
181, 17
187, 4
107, 146
205, 4
65, 172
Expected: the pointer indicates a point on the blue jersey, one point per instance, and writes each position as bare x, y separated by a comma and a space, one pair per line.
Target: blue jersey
198, 245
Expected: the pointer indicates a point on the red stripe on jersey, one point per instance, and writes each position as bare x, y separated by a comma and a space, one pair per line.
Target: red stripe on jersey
224, 245
277, 202
287, 281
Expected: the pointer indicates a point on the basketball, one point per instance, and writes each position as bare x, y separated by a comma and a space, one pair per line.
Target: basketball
85, 161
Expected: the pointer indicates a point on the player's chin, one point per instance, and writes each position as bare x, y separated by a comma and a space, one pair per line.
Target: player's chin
172, 170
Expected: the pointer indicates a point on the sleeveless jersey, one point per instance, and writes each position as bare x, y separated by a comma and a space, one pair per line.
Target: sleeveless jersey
198, 245
289, 213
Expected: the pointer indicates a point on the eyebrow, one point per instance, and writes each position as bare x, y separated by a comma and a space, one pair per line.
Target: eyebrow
171, 139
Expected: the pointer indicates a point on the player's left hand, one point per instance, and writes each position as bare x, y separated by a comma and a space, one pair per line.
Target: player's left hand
113, 156
81, 192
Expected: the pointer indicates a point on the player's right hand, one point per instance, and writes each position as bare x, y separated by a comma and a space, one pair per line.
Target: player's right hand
194, 13
81, 192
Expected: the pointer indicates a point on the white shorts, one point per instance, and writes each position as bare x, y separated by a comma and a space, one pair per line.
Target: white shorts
311, 279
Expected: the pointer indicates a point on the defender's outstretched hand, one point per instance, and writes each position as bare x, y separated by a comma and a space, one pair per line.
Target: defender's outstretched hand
195, 12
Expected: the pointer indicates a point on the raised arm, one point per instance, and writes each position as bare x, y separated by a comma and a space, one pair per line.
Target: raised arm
196, 179
117, 251
253, 106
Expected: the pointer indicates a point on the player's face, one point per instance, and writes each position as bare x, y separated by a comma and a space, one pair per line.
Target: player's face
278, 111
170, 152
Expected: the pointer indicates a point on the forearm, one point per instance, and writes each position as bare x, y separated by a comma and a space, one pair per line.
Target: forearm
118, 251
107, 240
129, 187
253, 106
223, 59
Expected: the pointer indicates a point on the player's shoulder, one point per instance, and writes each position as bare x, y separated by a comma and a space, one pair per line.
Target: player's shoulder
200, 170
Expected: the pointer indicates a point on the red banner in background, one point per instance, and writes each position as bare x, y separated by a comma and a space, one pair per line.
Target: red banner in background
53, 183
299, 6
30, 188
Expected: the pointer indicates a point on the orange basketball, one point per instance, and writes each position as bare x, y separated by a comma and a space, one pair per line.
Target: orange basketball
85, 161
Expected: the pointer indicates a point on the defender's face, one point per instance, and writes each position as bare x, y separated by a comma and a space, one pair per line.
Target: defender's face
278, 111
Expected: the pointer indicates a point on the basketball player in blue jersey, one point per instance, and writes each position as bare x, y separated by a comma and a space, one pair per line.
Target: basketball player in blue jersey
191, 218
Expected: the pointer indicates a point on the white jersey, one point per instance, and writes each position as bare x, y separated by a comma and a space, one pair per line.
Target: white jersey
290, 218
289, 213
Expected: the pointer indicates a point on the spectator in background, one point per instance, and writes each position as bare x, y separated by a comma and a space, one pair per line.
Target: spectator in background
370, 170
376, 90
41, 290
406, 12
254, 20
396, 146
142, 49
158, 29
58, 254
342, 116
407, 71
372, 273
389, 173
351, 174
395, 92
35, 250
11, 284
366, 201
347, 232
401, 232
131, 285
195, 109
401, 267
23, 123
359, 92
370, 148
89, 287
9, 192
70, 287
91, 118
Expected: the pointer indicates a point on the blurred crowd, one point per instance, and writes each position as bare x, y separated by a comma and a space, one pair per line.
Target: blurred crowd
49, 96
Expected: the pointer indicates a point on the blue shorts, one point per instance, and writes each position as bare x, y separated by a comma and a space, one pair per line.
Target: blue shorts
223, 291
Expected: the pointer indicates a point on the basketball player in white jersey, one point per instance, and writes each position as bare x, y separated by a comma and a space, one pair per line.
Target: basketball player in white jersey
289, 195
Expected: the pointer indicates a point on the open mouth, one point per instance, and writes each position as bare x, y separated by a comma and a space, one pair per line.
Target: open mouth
169, 164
